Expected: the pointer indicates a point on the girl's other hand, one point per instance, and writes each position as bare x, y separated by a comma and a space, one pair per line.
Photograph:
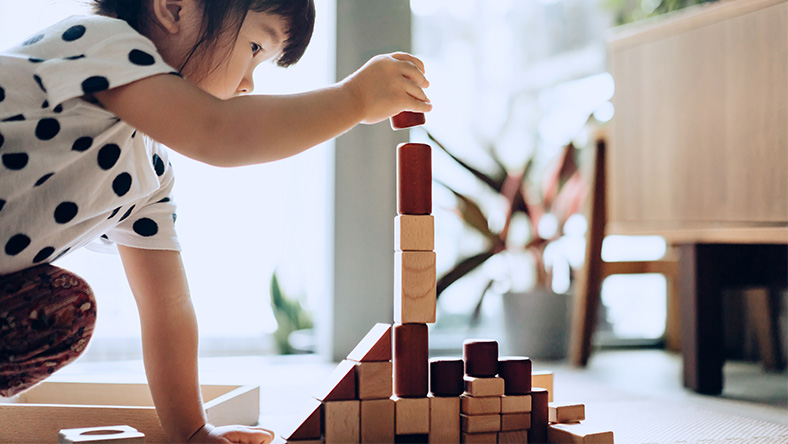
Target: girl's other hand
387, 85
232, 434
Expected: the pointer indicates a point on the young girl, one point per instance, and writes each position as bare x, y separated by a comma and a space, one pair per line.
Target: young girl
84, 105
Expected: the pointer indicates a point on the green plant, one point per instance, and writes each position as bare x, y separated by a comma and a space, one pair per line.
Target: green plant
627, 11
290, 316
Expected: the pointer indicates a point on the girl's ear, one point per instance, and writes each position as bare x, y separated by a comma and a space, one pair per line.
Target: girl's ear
169, 14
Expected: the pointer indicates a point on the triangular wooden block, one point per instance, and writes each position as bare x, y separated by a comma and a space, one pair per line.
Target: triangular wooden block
341, 383
376, 345
307, 424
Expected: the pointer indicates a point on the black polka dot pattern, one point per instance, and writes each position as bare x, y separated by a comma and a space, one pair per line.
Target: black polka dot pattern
43, 179
114, 213
145, 227
47, 129
66, 212
17, 244
141, 58
82, 144
16, 118
2, 94
43, 254
122, 184
165, 200
45, 105
108, 156
2, 204
95, 84
74, 33
58, 109
33, 40
15, 161
35, 60
158, 165
2, 140
76, 57
39, 82
127, 214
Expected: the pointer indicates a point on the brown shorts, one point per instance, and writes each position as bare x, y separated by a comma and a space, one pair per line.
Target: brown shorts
47, 316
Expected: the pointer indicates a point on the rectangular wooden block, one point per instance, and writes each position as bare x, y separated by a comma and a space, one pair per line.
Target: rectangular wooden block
444, 420
411, 360
479, 438
414, 233
516, 404
412, 415
419, 438
580, 433
513, 437
481, 387
121, 434
471, 405
377, 420
566, 412
539, 415
373, 380
543, 379
515, 421
375, 346
414, 287
480, 423
342, 422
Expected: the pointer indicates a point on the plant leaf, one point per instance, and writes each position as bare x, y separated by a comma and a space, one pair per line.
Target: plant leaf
477, 310
472, 214
464, 267
493, 182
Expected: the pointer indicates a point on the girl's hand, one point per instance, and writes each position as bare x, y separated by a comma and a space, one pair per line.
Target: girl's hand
232, 434
388, 84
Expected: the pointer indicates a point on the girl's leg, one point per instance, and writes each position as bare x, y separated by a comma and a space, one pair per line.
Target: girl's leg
47, 316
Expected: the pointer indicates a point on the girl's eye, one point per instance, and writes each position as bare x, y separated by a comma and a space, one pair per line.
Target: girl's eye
256, 48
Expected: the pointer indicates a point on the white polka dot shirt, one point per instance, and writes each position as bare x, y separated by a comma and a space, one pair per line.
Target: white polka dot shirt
70, 171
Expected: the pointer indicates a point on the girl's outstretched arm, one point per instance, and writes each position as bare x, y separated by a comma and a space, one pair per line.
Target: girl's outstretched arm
256, 129
169, 343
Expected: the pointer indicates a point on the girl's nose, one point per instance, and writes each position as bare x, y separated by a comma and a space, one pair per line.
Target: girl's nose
246, 86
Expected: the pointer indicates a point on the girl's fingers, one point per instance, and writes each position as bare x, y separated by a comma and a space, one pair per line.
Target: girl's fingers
405, 57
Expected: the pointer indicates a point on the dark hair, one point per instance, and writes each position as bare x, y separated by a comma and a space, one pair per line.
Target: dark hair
221, 16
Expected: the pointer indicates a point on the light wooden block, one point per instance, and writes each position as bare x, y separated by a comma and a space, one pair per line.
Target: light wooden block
444, 420
480, 423
471, 405
515, 421
566, 412
121, 434
481, 387
342, 422
307, 424
414, 233
412, 416
513, 437
414, 287
377, 421
373, 380
38, 414
580, 433
543, 379
375, 346
515, 404
340, 384
479, 438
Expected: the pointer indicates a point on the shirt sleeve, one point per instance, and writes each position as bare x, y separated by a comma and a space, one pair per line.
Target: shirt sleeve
97, 54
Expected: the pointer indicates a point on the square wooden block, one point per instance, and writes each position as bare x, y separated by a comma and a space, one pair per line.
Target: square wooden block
566, 412
412, 416
374, 380
377, 420
480, 423
513, 437
444, 420
414, 233
342, 422
414, 287
481, 387
471, 405
515, 421
479, 438
543, 379
516, 404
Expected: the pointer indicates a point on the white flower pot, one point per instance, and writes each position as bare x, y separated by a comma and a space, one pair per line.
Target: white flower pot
537, 323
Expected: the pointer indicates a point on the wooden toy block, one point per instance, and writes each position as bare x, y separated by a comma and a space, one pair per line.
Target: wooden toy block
414, 178
565, 412
407, 119
543, 379
479, 438
515, 421
342, 423
446, 376
375, 346
444, 420
539, 415
580, 433
480, 406
412, 416
513, 437
411, 355
340, 384
377, 421
374, 380
480, 423
515, 404
308, 423
481, 387
418, 438
516, 373
121, 434
481, 357
414, 287
414, 233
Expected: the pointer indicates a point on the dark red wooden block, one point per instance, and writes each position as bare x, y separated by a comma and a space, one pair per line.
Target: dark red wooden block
481, 357
412, 439
407, 119
446, 376
411, 354
414, 178
516, 374
539, 415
